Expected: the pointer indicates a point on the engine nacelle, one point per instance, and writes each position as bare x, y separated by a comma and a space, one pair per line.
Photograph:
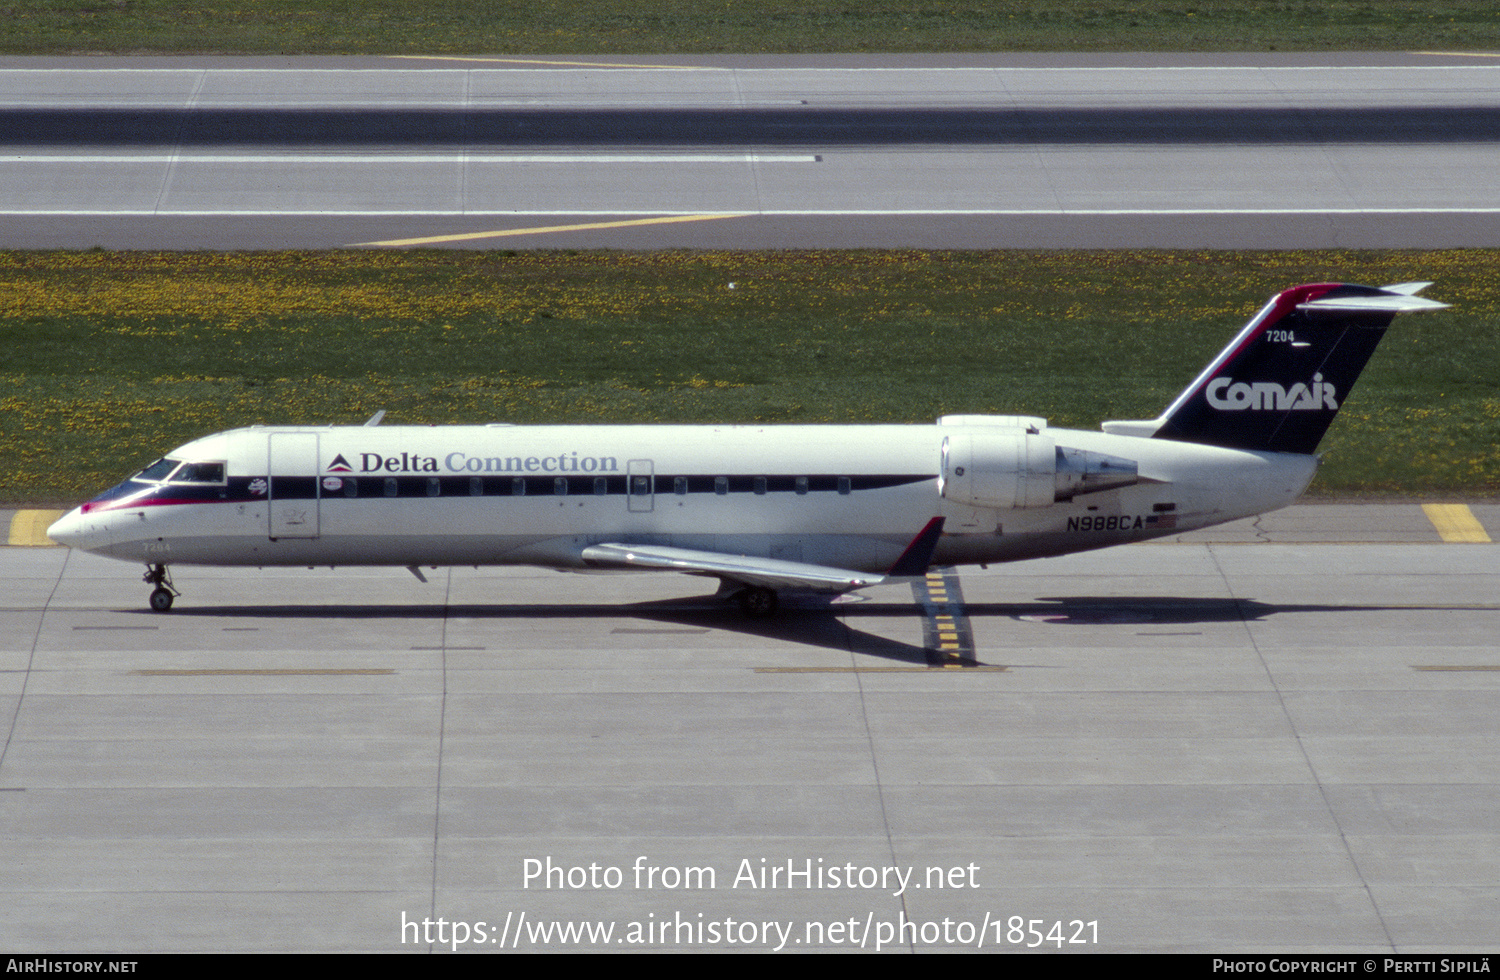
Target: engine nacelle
1006, 468
1001, 467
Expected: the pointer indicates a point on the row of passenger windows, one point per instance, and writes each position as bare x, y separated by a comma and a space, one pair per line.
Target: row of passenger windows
175, 471
563, 486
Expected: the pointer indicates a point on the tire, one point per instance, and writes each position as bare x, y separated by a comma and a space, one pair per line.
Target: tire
758, 603
161, 600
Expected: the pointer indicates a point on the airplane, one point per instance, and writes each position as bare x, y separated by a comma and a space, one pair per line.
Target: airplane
765, 509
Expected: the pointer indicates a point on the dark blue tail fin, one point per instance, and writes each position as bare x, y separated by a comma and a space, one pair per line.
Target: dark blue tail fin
1279, 384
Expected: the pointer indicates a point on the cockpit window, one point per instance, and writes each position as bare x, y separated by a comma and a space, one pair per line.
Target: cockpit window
158, 470
199, 473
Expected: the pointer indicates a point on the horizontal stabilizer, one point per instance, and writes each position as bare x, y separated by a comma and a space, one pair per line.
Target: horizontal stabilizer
1145, 428
1406, 288
1374, 304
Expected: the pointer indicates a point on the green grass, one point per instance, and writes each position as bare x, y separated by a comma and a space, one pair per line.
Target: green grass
109, 359
595, 27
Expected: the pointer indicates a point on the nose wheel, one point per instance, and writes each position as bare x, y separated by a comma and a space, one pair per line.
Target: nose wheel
164, 593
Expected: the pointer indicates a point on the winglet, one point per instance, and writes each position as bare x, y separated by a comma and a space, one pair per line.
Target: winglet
918, 555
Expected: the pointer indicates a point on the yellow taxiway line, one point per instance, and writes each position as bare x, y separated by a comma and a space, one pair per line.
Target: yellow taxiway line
1456, 523
551, 229
28, 528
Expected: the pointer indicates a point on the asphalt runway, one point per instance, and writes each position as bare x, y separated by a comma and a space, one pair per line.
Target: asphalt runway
977, 151
1277, 736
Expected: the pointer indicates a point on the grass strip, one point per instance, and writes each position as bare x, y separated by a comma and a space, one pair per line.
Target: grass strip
109, 359
727, 26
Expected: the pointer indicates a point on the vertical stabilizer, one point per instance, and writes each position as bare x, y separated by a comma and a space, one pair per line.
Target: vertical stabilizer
1279, 384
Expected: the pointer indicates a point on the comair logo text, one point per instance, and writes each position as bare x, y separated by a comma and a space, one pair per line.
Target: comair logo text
1238, 396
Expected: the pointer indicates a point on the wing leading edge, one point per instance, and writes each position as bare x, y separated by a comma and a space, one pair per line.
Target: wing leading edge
765, 573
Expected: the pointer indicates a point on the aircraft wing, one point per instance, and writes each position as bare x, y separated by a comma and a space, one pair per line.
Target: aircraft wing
769, 573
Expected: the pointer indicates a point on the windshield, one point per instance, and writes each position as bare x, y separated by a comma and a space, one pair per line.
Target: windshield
158, 470
199, 473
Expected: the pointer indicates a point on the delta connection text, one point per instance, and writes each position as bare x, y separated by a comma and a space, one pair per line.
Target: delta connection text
459, 462
749, 873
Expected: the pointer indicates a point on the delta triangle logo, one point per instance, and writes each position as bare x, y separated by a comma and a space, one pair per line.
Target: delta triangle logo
340, 465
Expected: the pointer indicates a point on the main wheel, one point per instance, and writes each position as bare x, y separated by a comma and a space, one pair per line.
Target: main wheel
758, 603
161, 599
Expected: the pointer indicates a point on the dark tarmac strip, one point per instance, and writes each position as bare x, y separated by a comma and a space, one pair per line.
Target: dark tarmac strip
1241, 151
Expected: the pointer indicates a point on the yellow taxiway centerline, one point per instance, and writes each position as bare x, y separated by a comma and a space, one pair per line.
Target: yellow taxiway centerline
509, 232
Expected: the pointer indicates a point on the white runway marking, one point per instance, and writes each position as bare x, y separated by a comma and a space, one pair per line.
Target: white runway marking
1381, 185
418, 158
891, 70
815, 213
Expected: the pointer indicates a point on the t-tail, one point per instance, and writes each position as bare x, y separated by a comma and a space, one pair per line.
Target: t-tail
1278, 385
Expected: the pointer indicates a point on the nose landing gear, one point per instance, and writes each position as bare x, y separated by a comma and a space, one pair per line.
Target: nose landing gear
164, 593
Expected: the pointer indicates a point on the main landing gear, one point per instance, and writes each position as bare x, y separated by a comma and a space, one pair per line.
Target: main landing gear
163, 594
757, 602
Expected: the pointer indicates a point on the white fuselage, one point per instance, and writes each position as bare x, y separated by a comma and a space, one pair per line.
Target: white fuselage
850, 497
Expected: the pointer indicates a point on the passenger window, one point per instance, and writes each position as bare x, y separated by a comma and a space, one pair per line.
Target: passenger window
351, 487
390, 486
601, 486
679, 486
560, 485
476, 486
518, 486
721, 485
434, 486
760, 485
801, 484
844, 485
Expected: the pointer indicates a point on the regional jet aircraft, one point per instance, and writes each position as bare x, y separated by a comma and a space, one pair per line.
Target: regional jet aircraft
764, 509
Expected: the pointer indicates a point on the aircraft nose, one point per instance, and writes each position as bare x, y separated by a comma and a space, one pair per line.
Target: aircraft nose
65, 529
75, 530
